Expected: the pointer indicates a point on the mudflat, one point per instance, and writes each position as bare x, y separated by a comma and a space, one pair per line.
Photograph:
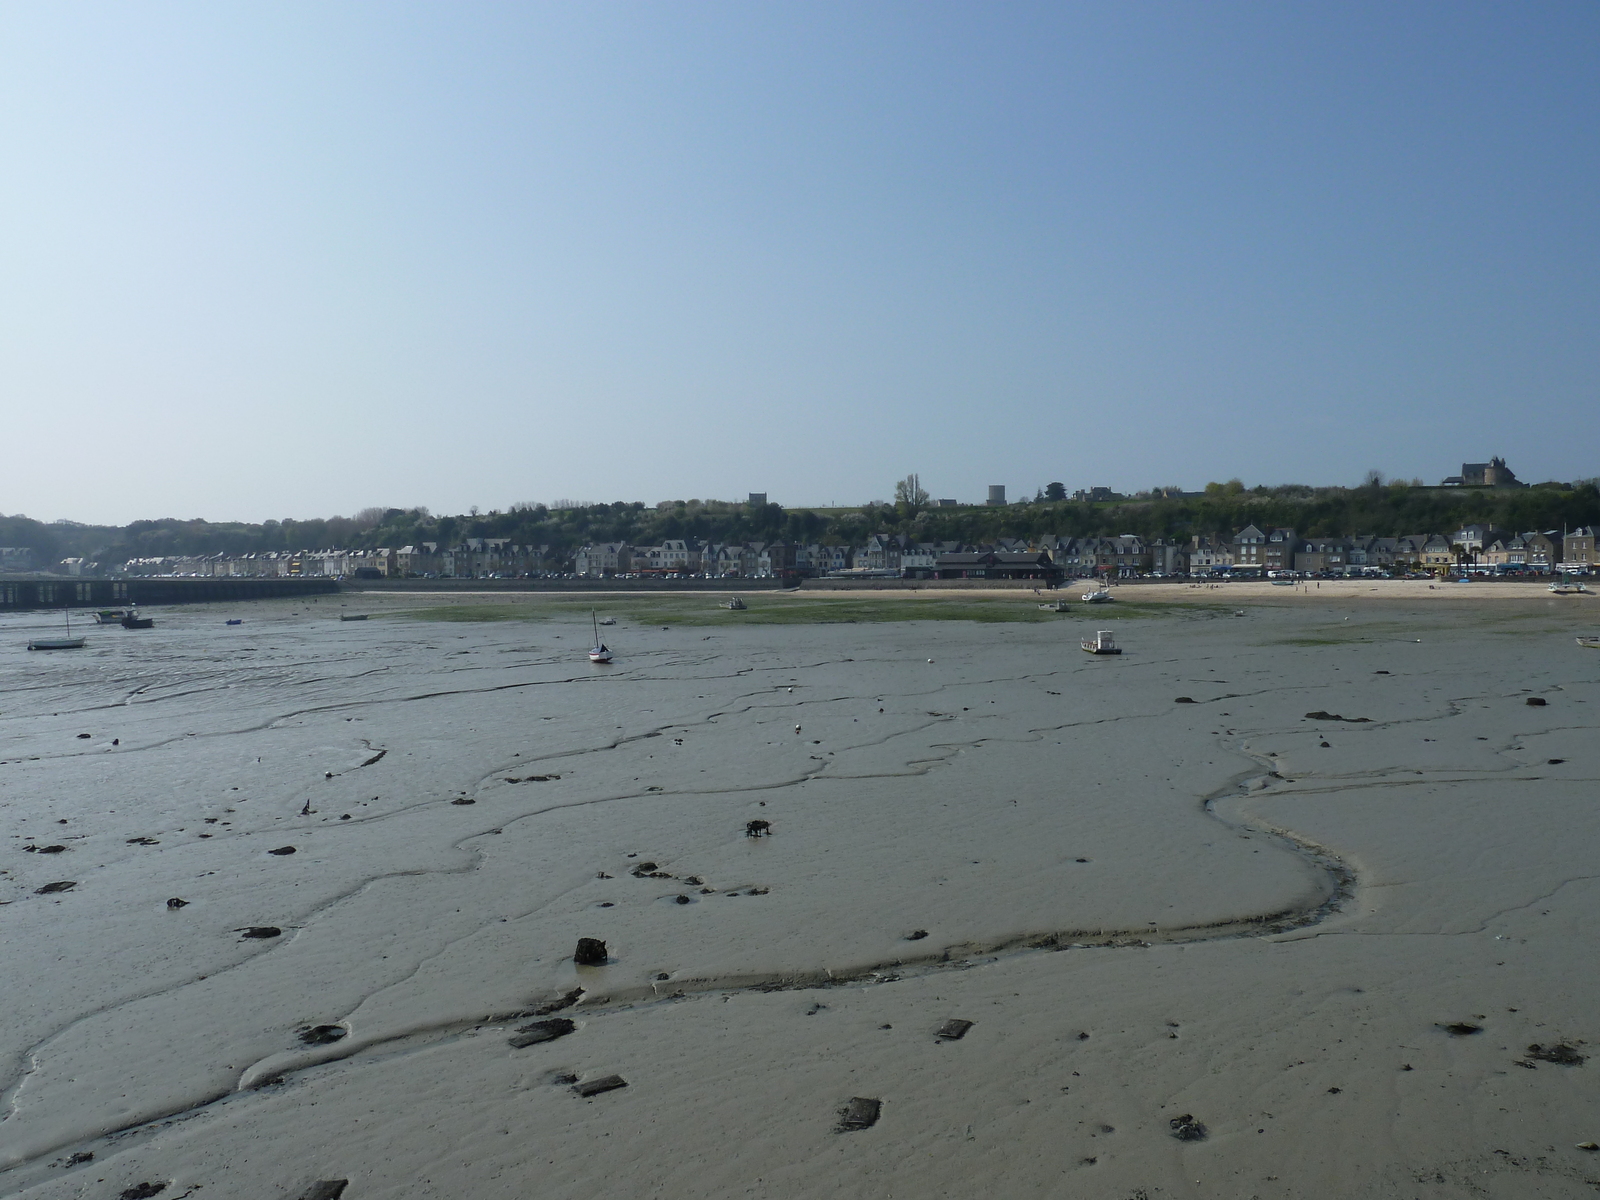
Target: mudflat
898, 895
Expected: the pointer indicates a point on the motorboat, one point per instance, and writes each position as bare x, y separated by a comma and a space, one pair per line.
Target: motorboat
599, 652
1101, 643
1565, 586
109, 616
1055, 606
58, 643
1591, 643
734, 603
132, 620
609, 621
1098, 596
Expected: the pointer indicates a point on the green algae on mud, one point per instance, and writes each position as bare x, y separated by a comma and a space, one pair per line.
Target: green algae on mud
700, 609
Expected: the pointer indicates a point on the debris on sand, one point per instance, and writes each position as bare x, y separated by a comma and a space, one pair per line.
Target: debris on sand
1560, 1053
1320, 715
177, 902
1461, 1029
143, 841
82, 1156
282, 850
323, 1035
861, 1112
1589, 1146
560, 1002
1186, 1128
591, 952
463, 800
325, 1189
542, 1031
916, 935
142, 1191
594, 1087
1535, 701
954, 1029
44, 849
260, 931
1185, 700
61, 885
758, 828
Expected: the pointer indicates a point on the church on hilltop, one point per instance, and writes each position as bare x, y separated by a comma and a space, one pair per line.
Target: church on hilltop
1494, 474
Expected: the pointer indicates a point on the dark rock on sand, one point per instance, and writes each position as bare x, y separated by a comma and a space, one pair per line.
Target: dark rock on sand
594, 1087
1560, 1053
560, 1002
142, 1191
325, 1189
177, 902
82, 1156
261, 931
954, 1029
281, 850
542, 1031
757, 828
1320, 715
916, 935
1461, 1029
1186, 1128
1535, 701
682, 900
860, 1113
591, 952
62, 885
1185, 700
463, 800
323, 1035
45, 849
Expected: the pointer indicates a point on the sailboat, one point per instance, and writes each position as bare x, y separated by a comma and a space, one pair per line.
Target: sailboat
59, 643
600, 652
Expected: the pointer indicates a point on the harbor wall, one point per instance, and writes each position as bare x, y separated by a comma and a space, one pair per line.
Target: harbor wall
35, 591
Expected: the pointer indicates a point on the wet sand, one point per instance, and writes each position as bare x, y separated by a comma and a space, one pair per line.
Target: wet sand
1221, 910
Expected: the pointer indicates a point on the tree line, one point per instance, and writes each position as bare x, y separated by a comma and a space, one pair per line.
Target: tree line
1384, 510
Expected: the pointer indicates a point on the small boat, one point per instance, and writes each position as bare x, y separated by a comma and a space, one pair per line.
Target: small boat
132, 620
1099, 596
599, 652
351, 617
1055, 606
109, 616
609, 621
1591, 643
1101, 643
1565, 587
734, 603
1283, 583
235, 621
58, 643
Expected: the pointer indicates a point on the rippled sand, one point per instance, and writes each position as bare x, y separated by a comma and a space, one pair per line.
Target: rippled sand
1148, 909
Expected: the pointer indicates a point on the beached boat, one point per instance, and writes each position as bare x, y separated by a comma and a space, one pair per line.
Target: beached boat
1592, 643
109, 616
609, 621
1101, 643
1283, 583
132, 620
58, 643
734, 603
1055, 606
1098, 596
1565, 586
235, 621
599, 652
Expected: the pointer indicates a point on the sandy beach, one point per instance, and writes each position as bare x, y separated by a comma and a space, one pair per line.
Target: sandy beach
1277, 903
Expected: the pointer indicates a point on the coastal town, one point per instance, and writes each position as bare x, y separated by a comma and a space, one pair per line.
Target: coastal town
1251, 552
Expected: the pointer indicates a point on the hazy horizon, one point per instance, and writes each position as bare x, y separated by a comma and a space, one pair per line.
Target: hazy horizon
302, 260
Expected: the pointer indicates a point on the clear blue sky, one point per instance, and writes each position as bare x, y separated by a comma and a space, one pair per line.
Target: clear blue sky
268, 260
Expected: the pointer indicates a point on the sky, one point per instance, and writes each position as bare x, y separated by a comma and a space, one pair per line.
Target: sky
298, 259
